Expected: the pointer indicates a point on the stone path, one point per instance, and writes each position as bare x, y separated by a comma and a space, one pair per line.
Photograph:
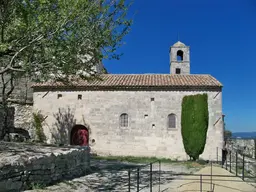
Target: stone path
220, 184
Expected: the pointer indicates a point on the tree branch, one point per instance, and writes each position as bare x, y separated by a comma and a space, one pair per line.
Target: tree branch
4, 87
19, 101
9, 68
12, 86
18, 52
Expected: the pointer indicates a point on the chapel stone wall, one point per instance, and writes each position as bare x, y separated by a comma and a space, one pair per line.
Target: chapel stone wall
147, 133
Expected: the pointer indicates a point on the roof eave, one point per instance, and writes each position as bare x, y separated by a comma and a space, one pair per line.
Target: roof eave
130, 87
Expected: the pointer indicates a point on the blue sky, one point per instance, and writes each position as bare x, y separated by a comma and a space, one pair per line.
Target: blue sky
222, 38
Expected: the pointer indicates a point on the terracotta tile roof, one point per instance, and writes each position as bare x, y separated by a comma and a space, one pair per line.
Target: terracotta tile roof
142, 80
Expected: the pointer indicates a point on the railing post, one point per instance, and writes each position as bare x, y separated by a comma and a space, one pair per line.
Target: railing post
138, 179
201, 187
226, 162
230, 162
217, 156
211, 176
159, 178
129, 180
236, 162
243, 169
222, 159
150, 177
255, 149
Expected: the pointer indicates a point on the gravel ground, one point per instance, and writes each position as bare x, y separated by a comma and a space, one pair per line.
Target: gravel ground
113, 176
109, 175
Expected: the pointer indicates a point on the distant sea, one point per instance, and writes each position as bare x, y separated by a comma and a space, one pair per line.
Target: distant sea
244, 135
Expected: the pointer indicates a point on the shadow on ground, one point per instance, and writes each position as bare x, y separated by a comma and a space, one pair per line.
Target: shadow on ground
113, 176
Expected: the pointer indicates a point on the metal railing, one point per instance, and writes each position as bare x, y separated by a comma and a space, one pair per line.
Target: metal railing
238, 164
246, 146
149, 176
145, 176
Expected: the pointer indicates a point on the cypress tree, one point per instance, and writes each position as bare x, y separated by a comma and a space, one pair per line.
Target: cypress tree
194, 124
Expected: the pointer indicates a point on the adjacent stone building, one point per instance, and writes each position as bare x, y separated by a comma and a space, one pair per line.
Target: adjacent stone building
135, 115
20, 110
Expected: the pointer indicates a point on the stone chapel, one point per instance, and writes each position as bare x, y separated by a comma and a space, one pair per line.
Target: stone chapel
131, 114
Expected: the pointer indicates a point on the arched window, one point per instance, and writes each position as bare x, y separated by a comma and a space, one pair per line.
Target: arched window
172, 121
179, 55
124, 120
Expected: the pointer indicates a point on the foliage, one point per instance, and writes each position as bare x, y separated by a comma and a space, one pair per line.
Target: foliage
194, 124
57, 40
202, 162
105, 71
227, 134
35, 186
38, 120
132, 159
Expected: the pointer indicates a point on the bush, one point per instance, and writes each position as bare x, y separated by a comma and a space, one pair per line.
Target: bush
194, 124
38, 120
227, 134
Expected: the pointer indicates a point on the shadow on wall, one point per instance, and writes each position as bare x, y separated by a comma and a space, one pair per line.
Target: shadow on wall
17, 134
65, 120
10, 119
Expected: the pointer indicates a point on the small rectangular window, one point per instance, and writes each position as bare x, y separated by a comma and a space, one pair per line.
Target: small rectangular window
152, 99
177, 70
59, 96
79, 97
124, 120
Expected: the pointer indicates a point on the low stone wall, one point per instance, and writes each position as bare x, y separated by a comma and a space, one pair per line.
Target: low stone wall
243, 146
23, 165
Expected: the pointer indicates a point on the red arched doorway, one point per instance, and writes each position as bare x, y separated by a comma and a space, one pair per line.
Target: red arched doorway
79, 135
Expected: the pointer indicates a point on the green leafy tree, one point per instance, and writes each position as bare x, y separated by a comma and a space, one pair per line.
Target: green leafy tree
194, 124
227, 134
57, 40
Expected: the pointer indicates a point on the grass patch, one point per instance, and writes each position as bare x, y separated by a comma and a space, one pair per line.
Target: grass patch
147, 160
247, 173
133, 159
194, 164
34, 186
